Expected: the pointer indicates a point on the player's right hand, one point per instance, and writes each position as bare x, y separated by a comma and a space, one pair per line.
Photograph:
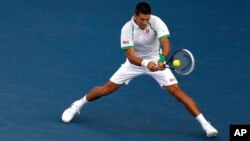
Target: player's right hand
161, 66
152, 66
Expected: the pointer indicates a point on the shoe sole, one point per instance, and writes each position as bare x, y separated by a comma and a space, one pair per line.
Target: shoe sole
212, 134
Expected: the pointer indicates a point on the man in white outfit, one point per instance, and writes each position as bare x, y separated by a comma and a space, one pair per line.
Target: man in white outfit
145, 41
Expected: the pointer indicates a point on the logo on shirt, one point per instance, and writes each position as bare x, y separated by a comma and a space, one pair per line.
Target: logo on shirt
147, 31
125, 42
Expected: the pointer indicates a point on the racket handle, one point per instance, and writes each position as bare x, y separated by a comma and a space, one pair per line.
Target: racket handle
167, 66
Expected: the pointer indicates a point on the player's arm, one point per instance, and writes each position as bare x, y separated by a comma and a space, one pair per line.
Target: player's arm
163, 36
165, 46
130, 54
165, 43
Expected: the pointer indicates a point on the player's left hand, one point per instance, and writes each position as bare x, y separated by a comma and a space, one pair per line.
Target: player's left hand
161, 66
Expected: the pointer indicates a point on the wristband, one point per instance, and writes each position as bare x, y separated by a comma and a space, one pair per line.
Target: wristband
162, 58
144, 63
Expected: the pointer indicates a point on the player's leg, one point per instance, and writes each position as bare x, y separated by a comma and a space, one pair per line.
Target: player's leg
167, 80
192, 107
100, 91
92, 95
182, 97
122, 76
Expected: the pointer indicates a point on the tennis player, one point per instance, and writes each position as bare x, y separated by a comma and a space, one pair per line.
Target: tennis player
141, 38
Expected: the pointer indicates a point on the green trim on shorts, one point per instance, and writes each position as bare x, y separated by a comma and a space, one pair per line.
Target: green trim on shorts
164, 36
127, 47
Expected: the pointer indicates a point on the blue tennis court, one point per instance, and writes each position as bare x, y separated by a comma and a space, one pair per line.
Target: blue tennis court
53, 51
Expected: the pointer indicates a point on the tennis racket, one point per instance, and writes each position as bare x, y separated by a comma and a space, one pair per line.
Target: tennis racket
187, 62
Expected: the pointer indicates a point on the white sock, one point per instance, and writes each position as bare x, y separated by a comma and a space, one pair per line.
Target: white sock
82, 101
202, 120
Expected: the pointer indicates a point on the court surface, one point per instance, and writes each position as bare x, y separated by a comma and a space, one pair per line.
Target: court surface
53, 51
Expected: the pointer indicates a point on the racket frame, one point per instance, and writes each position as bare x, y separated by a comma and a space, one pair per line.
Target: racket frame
169, 65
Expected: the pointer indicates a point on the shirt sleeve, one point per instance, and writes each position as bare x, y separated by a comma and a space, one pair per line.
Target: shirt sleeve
126, 36
160, 28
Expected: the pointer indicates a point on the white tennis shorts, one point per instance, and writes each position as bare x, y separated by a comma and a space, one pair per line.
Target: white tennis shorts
128, 71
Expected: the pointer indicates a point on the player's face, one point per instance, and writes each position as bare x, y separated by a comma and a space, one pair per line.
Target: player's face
142, 20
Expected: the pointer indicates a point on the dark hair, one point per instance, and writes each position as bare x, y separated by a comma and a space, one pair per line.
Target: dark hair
143, 8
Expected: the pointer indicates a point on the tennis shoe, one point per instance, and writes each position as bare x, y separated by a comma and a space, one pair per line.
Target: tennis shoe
70, 112
210, 130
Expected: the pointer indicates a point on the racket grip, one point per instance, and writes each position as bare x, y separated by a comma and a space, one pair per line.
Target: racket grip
166, 66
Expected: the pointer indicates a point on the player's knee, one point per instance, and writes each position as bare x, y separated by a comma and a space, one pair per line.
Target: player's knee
173, 89
105, 90
176, 92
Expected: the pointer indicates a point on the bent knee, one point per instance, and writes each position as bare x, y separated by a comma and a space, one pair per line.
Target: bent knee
173, 89
176, 92
108, 88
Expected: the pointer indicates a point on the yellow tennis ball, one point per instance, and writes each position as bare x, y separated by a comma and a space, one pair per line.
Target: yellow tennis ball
176, 63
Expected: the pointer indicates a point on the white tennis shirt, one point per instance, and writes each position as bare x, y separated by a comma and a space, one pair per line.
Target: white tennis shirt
145, 42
